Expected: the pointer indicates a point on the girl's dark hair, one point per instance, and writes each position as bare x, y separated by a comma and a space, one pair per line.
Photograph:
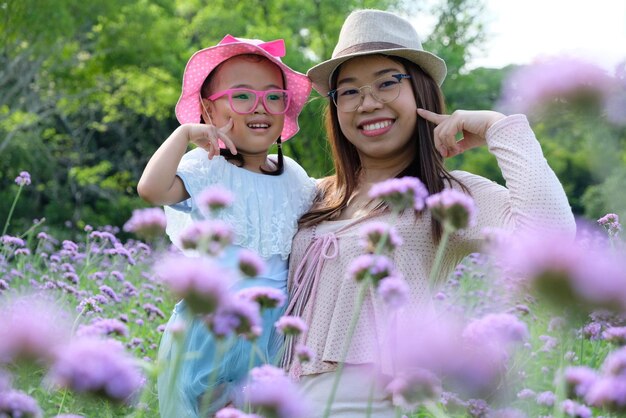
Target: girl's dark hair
205, 92
335, 191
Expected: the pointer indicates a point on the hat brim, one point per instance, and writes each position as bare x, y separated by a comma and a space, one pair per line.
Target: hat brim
433, 65
203, 62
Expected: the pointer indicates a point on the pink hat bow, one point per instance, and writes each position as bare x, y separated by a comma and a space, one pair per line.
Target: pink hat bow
275, 48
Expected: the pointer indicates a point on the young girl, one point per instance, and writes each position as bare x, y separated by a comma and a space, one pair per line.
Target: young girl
240, 96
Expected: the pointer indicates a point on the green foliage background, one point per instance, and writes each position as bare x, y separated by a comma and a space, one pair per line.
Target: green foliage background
87, 92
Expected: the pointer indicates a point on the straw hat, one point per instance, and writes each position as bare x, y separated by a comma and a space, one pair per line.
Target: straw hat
367, 32
204, 61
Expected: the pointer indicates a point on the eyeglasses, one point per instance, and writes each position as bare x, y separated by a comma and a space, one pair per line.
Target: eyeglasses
244, 101
384, 89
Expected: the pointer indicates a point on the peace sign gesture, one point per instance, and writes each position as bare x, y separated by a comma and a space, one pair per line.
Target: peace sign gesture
472, 124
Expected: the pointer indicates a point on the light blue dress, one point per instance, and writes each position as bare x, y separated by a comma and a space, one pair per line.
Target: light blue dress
264, 218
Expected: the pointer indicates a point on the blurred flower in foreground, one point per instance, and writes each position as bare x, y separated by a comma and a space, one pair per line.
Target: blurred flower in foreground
214, 198
401, 193
372, 234
563, 79
201, 282
210, 236
31, 327
147, 223
99, 367
250, 263
409, 388
452, 208
229, 412
237, 315
16, 404
566, 273
272, 394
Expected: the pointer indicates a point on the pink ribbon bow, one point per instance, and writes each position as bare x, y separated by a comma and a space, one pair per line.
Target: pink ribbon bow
275, 48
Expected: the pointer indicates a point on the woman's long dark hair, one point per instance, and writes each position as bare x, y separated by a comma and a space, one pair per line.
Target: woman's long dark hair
205, 92
427, 165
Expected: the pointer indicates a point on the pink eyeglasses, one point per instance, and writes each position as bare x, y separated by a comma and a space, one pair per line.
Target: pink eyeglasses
244, 101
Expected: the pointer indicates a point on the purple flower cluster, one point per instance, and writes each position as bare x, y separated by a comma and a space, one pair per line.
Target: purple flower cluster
291, 325
240, 316
214, 199
203, 283
266, 297
210, 236
565, 272
610, 222
452, 208
16, 404
379, 234
99, 367
148, 223
555, 80
401, 193
271, 393
410, 388
31, 327
394, 291
250, 263
23, 179
374, 267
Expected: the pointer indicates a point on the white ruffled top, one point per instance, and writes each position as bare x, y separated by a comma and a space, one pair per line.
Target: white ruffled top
265, 211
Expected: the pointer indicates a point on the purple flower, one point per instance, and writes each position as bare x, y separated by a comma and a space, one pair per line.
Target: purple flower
546, 398
290, 325
401, 193
565, 272
31, 327
304, 353
394, 291
229, 412
236, 315
372, 234
152, 311
18, 404
266, 297
89, 305
103, 327
616, 335
555, 80
250, 263
147, 223
9, 240
453, 208
410, 388
214, 199
498, 329
99, 367
106, 290
608, 392
375, 267
272, 394
576, 410
23, 179
201, 282
477, 408
526, 394
580, 379
610, 222
209, 236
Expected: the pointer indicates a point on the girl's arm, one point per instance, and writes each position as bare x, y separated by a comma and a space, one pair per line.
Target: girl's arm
159, 184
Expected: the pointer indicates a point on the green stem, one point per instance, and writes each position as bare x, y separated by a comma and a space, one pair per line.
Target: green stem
436, 269
370, 400
434, 410
355, 317
62, 402
8, 221
33, 226
220, 349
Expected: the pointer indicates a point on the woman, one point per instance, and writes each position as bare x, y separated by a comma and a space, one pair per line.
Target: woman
384, 120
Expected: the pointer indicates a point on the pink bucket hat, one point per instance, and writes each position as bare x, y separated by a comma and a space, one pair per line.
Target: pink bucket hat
204, 61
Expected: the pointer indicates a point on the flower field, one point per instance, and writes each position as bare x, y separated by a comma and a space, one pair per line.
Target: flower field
539, 333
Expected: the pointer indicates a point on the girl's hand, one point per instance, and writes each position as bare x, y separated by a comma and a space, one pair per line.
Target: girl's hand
472, 124
207, 137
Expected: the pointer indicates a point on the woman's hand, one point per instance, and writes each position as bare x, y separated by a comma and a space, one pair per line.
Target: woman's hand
472, 124
207, 137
